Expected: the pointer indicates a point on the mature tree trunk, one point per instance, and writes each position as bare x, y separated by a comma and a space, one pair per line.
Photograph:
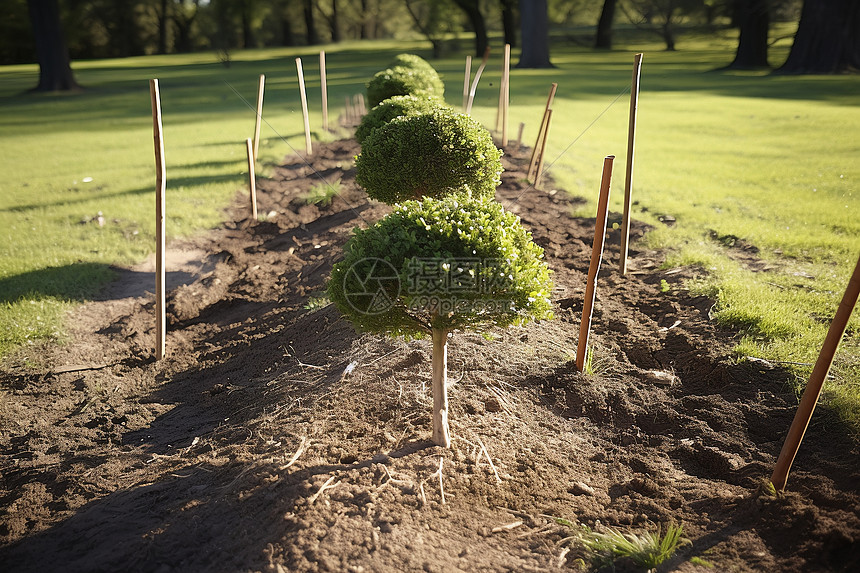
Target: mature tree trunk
476, 19
509, 22
312, 36
334, 24
247, 13
752, 42
603, 39
55, 70
534, 23
162, 26
827, 39
439, 387
183, 19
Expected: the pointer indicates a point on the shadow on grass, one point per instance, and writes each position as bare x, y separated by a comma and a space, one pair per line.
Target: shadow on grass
75, 282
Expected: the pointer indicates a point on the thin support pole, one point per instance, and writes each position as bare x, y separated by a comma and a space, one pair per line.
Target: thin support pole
308, 146
536, 150
628, 176
259, 117
816, 381
520, 134
160, 234
594, 267
252, 179
506, 94
324, 87
476, 79
467, 77
542, 154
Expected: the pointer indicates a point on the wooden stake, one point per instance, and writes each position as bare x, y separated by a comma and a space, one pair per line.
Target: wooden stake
535, 151
324, 87
539, 169
477, 79
308, 146
441, 435
505, 96
362, 107
466, 79
520, 135
252, 177
259, 118
594, 267
816, 381
160, 235
628, 176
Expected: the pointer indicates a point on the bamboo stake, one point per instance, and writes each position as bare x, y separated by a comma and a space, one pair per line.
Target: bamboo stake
520, 135
816, 381
308, 146
362, 107
539, 170
160, 235
628, 176
441, 435
324, 87
505, 94
468, 76
252, 185
477, 78
594, 267
534, 159
259, 117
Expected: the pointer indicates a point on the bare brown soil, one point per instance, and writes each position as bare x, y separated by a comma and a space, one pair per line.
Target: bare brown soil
276, 438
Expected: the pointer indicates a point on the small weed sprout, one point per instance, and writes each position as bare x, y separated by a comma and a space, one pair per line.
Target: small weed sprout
664, 286
322, 194
315, 303
647, 550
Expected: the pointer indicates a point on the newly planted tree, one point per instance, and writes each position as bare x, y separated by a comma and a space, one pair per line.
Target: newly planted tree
395, 107
440, 265
429, 155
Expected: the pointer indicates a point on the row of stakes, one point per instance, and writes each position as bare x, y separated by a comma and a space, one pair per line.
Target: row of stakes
355, 109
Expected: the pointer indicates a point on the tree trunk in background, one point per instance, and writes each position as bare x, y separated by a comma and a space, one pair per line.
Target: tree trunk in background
335, 24
509, 22
754, 27
827, 39
603, 39
476, 19
246, 9
55, 70
162, 27
312, 36
534, 23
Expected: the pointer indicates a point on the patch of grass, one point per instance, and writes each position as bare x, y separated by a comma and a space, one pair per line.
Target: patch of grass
323, 193
696, 560
648, 549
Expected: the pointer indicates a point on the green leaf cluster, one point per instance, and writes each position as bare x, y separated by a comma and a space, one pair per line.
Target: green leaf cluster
429, 155
480, 254
403, 80
395, 107
411, 61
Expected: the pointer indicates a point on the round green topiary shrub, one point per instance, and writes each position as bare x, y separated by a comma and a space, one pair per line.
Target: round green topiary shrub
445, 264
432, 154
411, 61
401, 80
395, 107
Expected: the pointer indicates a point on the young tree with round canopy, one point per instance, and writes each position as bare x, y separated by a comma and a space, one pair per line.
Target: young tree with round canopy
429, 155
395, 107
439, 265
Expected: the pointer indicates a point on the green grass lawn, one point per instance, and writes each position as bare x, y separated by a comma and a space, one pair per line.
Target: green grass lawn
770, 160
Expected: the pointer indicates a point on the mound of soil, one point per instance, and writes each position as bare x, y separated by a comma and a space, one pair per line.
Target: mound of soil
275, 438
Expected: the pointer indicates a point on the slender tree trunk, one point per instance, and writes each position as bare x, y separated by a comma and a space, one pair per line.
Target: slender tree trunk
752, 41
162, 27
55, 70
441, 434
476, 19
509, 22
534, 23
827, 39
312, 36
247, 29
335, 24
603, 39
287, 38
